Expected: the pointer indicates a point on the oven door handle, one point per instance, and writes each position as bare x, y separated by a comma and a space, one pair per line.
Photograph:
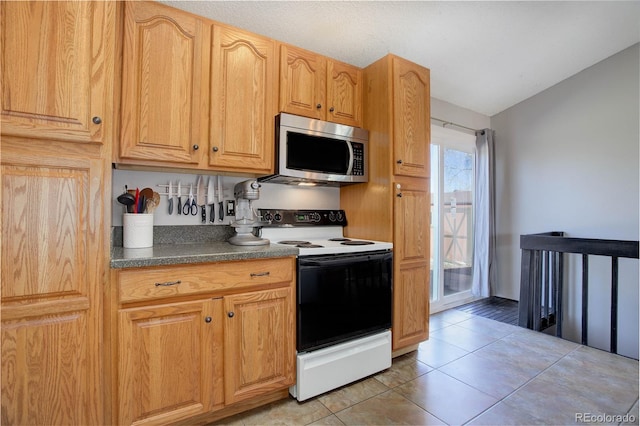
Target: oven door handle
350, 259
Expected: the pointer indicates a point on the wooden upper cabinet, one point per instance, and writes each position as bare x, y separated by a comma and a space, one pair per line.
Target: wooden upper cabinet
302, 82
315, 86
412, 131
243, 101
57, 69
165, 84
344, 93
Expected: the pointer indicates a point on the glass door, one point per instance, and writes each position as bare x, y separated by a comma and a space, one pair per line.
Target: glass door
452, 198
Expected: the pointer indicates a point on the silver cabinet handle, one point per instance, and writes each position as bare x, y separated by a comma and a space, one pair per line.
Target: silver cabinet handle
168, 283
260, 274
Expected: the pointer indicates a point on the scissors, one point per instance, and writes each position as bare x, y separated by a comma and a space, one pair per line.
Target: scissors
190, 206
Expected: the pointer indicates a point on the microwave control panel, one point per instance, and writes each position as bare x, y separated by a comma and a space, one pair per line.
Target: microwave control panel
358, 159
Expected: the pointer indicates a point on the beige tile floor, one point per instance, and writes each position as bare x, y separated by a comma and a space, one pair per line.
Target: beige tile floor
476, 371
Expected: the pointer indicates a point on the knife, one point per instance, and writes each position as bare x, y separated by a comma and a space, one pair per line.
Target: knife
200, 198
220, 200
170, 196
210, 190
179, 200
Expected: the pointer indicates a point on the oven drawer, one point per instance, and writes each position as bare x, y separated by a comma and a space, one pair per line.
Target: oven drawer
167, 281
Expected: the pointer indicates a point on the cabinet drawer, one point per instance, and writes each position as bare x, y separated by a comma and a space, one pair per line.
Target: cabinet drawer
168, 281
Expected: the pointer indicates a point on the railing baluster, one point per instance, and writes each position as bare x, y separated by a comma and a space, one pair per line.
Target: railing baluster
585, 297
560, 282
546, 287
537, 288
525, 319
614, 305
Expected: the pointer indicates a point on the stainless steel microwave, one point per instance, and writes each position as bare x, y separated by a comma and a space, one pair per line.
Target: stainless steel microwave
310, 151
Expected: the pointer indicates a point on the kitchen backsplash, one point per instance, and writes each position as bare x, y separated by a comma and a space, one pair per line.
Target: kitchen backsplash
271, 195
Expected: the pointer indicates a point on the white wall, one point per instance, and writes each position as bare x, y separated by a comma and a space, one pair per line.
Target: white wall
567, 160
465, 117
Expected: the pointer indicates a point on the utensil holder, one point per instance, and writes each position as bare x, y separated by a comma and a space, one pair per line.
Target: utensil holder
137, 230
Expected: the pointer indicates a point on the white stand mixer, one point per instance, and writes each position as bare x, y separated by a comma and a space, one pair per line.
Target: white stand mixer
244, 192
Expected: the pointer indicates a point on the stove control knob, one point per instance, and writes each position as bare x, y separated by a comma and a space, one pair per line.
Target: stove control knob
277, 217
340, 216
268, 217
332, 216
316, 217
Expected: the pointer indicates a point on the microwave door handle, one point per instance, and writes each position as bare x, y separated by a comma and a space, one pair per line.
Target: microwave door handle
350, 165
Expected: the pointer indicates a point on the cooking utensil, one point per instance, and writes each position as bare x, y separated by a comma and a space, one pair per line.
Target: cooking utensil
190, 205
179, 199
150, 206
145, 194
137, 201
220, 200
200, 201
127, 200
170, 197
210, 191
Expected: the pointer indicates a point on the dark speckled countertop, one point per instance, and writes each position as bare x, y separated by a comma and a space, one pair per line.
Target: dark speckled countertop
174, 245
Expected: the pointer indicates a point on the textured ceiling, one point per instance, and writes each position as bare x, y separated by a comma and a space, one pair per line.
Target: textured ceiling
484, 56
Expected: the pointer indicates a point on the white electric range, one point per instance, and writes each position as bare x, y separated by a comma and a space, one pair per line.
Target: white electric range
343, 294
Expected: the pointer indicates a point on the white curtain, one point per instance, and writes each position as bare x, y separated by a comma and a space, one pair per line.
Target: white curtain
484, 256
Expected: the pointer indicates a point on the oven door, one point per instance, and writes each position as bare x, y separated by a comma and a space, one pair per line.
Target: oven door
341, 297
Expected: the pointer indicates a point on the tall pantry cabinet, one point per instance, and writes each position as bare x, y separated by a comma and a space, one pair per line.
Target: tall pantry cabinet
395, 204
57, 61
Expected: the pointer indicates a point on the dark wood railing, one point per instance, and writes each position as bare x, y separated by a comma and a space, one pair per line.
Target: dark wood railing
542, 279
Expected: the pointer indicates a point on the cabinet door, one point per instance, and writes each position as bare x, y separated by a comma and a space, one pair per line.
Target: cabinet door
410, 304
344, 94
411, 262
52, 271
164, 85
259, 343
170, 361
243, 101
302, 82
57, 69
412, 120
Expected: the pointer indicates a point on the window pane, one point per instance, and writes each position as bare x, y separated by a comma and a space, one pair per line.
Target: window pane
457, 210
435, 221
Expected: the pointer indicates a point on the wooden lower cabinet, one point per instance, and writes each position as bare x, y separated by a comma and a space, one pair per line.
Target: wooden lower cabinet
411, 262
53, 264
410, 304
259, 343
196, 341
170, 361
